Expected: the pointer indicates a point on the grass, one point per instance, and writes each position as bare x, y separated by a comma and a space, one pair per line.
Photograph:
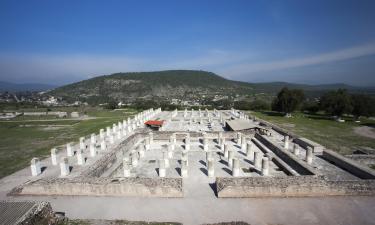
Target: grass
23, 140
339, 137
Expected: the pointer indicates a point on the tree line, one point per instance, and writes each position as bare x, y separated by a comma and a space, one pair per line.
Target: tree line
335, 103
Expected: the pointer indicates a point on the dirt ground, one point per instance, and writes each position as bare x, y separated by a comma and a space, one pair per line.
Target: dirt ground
365, 131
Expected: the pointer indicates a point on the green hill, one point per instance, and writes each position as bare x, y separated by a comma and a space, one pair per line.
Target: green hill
186, 84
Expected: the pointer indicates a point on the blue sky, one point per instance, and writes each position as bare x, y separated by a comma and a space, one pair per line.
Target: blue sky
302, 41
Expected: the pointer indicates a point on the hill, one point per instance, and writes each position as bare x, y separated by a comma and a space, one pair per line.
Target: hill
12, 87
186, 84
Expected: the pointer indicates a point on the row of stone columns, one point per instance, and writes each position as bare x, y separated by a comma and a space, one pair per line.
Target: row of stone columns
117, 132
296, 150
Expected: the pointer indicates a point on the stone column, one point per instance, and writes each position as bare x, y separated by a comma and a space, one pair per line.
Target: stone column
166, 159
185, 157
286, 142
257, 160
205, 143
209, 156
249, 150
35, 167
119, 134
309, 155
296, 149
239, 135
111, 139
64, 167
92, 150
126, 166
80, 158
170, 150
101, 133
235, 167
93, 139
230, 158
226, 151
108, 131
222, 143
210, 167
184, 168
265, 166
162, 168
82, 144
243, 143
54, 156
69, 150
103, 145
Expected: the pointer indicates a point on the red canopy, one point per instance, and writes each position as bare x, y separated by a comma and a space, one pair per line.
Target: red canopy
155, 122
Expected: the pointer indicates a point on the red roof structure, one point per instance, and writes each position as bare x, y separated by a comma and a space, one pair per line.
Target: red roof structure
155, 123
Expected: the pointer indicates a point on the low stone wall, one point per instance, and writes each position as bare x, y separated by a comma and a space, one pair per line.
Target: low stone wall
349, 165
296, 164
364, 159
132, 187
292, 186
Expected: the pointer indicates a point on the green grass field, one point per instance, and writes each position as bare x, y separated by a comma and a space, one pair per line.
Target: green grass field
22, 140
337, 136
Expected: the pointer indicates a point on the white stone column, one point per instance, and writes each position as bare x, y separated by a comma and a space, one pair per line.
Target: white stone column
171, 148
93, 139
151, 136
35, 167
184, 168
235, 167
239, 135
243, 143
265, 166
226, 151
209, 156
69, 150
162, 168
111, 139
210, 168
205, 143
296, 149
103, 145
286, 142
185, 157
166, 159
309, 155
108, 131
64, 167
92, 150
80, 158
101, 133
258, 160
82, 144
54, 156
230, 158
249, 150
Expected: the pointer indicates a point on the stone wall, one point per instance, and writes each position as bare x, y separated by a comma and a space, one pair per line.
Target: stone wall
132, 187
349, 165
292, 186
304, 142
296, 164
364, 159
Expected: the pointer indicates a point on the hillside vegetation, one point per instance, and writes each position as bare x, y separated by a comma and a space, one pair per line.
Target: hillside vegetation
187, 84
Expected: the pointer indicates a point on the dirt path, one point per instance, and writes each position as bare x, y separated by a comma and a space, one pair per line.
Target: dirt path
365, 131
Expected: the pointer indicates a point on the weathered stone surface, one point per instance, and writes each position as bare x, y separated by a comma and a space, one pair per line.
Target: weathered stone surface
141, 187
290, 187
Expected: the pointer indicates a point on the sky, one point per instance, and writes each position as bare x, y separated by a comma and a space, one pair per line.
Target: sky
300, 41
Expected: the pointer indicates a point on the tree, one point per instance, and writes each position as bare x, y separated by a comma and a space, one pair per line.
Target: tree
336, 103
287, 100
310, 106
363, 105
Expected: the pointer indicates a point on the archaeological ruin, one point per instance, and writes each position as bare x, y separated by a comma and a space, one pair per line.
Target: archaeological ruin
160, 153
